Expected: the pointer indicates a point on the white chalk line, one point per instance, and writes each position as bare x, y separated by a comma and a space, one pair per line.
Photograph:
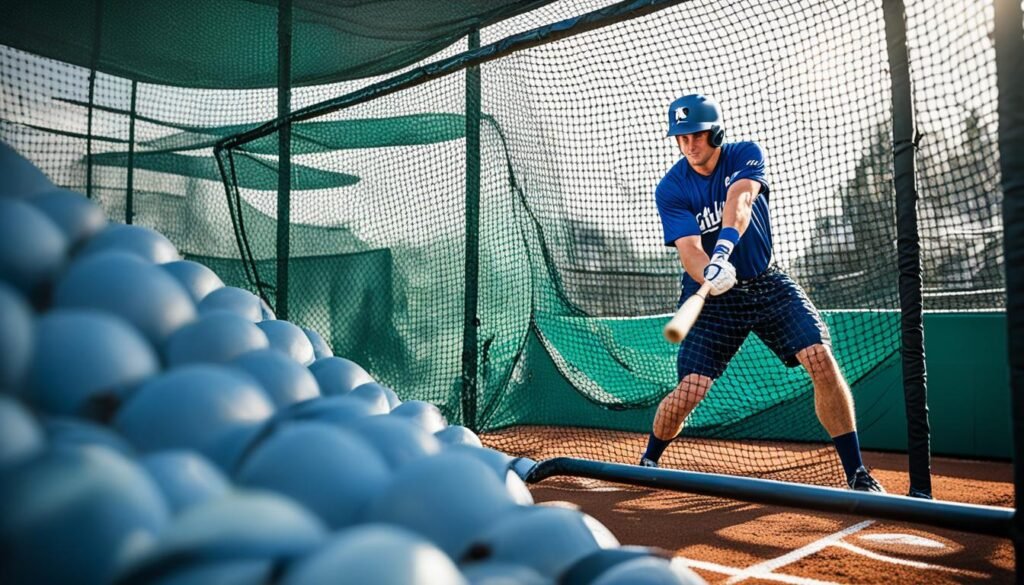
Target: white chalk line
903, 540
765, 570
908, 562
782, 578
760, 570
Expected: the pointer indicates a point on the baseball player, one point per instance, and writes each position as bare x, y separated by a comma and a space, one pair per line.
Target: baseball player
713, 205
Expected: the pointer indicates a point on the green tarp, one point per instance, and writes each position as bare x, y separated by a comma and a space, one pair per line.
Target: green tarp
253, 173
311, 137
347, 298
232, 44
583, 347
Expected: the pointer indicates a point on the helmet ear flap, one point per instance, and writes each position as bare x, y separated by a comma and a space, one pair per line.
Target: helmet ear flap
717, 136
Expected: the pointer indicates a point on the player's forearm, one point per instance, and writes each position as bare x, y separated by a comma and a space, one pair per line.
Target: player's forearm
739, 204
694, 261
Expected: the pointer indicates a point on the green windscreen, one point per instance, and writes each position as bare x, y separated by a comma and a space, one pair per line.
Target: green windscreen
573, 282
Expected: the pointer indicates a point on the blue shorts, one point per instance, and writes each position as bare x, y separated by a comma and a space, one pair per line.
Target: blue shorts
771, 305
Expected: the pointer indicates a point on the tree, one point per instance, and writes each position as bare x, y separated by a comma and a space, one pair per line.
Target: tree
851, 259
961, 230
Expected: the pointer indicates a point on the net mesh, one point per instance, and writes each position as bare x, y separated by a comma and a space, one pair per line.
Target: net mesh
954, 70
575, 283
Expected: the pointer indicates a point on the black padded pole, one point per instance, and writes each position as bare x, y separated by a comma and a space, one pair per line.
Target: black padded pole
1009, 41
284, 155
908, 246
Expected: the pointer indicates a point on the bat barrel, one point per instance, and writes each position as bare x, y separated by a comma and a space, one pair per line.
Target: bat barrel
673, 335
686, 316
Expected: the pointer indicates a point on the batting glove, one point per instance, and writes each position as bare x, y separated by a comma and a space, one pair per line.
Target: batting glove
720, 274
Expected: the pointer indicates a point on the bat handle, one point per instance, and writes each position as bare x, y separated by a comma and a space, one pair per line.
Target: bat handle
704, 289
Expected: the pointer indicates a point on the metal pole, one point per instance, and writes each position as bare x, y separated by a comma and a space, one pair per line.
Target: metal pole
990, 520
129, 204
915, 390
88, 136
97, 38
284, 154
471, 320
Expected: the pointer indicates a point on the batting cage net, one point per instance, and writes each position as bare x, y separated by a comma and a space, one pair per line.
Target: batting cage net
486, 238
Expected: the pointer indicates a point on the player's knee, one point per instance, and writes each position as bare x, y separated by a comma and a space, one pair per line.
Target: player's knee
818, 350
817, 357
820, 364
692, 389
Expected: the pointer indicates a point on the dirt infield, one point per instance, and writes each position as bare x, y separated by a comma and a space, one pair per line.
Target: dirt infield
727, 541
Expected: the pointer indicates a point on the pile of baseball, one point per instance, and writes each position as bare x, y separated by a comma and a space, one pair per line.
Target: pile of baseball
159, 427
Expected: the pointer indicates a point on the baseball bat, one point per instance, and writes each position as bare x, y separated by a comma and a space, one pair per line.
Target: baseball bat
686, 316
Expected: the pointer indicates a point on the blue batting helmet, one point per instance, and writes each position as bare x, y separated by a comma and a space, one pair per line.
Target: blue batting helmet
695, 113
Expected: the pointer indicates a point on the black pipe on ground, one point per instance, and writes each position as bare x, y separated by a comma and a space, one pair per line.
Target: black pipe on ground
988, 520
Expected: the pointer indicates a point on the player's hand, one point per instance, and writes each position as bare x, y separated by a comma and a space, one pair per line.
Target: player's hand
720, 274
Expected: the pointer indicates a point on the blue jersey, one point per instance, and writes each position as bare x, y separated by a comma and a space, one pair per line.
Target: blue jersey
691, 204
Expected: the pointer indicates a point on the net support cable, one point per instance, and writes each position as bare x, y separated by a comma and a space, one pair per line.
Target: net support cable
908, 246
227, 168
1009, 46
988, 520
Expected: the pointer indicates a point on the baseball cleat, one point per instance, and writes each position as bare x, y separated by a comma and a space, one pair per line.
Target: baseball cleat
863, 482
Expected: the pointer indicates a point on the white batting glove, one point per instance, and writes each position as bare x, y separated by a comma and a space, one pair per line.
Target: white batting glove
720, 274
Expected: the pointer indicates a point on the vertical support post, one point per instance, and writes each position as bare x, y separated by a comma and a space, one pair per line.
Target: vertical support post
284, 154
88, 134
471, 320
94, 63
1009, 45
909, 251
129, 202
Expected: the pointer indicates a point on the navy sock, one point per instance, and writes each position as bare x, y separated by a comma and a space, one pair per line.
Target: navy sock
848, 447
655, 447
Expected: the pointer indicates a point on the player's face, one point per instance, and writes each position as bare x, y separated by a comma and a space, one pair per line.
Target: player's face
696, 147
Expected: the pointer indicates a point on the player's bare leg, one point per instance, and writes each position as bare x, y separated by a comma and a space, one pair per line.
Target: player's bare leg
675, 407
833, 404
672, 413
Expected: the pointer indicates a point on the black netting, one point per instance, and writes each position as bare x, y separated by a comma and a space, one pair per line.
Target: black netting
952, 63
574, 281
